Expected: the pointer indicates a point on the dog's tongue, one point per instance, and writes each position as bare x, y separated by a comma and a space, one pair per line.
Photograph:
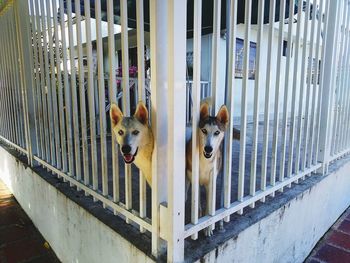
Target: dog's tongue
128, 157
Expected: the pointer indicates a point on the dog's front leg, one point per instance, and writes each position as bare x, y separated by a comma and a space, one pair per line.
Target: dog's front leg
187, 184
211, 205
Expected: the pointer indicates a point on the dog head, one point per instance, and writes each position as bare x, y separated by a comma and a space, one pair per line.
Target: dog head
212, 129
131, 132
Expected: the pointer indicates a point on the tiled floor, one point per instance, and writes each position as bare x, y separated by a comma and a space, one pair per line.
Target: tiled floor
334, 247
20, 241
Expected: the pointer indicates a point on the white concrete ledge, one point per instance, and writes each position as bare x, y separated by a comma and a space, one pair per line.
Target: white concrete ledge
75, 234
284, 229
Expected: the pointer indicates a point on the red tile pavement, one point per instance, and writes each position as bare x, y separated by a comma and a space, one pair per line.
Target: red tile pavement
20, 241
334, 247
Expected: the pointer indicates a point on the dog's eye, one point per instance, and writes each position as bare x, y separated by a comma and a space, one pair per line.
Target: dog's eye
135, 132
204, 131
120, 132
216, 133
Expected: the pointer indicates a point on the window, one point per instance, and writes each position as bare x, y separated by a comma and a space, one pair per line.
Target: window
240, 57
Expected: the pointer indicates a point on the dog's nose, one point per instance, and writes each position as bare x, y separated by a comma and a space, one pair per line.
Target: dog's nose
126, 149
208, 149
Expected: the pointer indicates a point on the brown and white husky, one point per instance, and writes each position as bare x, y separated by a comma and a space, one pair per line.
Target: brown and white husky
135, 138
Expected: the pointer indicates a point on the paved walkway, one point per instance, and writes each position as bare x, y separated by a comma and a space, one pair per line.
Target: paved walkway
20, 241
334, 247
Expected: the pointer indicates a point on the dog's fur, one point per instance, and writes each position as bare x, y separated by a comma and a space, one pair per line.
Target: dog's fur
135, 138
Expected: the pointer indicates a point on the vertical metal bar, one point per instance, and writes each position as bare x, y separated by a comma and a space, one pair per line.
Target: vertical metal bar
91, 98
338, 88
267, 95
215, 51
6, 84
73, 93
336, 104
11, 77
316, 86
6, 64
176, 128
17, 62
47, 103
67, 91
10, 84
287, 84
341, 85
327, 86
277, 90
126, 92
294, 94
241, 169
196, 89
260, 29
229, 103
16, 107
36, 100
42, 64
113, 96
311, 94
141, 92
47, 91
306, 58
55, 120
2, 85
81, 78
63, 154
20, 91
320, 93
344, 141
102, 99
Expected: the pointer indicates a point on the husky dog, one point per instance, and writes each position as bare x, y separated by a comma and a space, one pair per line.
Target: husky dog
135, 138
210, 136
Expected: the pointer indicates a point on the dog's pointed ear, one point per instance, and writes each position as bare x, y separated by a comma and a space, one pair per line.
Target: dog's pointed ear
115, 114
141, 113
223, 115
204, 111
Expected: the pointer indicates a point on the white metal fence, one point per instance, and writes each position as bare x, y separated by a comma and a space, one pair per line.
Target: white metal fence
54, 108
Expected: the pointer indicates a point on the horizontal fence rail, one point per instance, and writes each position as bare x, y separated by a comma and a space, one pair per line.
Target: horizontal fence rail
274, 79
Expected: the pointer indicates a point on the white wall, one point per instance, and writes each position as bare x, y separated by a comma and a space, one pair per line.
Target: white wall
73, 233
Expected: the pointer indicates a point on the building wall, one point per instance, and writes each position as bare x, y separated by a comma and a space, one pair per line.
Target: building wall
206, 69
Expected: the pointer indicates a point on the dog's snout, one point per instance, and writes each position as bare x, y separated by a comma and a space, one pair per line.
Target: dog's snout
126, 149
208, 149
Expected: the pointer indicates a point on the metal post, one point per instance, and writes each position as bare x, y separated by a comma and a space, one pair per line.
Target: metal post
158, 41
328, 84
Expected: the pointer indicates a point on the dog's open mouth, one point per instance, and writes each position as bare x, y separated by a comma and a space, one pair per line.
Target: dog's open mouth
207, 155
129, 158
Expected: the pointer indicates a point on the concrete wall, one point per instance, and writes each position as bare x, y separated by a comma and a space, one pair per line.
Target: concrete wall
289, 233
285, 228
74, 234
